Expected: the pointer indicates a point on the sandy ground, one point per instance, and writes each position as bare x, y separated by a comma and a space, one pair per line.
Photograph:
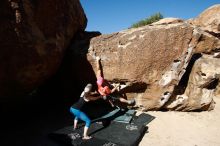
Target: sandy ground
184, 128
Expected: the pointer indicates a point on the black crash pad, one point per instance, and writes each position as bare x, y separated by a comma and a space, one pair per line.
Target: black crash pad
112, 134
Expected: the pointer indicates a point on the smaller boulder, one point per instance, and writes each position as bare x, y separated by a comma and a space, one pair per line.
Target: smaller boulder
209, 19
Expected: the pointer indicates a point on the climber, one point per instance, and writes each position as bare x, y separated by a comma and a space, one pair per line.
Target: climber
107, 90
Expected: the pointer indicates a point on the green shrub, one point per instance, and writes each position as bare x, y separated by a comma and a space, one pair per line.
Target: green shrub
153, 18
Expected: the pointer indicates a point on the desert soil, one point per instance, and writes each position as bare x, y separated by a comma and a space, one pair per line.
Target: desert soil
184, 128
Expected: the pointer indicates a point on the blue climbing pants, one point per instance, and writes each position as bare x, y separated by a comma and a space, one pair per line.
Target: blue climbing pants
80, 115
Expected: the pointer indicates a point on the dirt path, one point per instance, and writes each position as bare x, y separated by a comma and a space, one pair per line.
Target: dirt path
184, 129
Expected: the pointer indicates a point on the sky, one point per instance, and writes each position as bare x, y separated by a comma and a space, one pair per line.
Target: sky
108, 16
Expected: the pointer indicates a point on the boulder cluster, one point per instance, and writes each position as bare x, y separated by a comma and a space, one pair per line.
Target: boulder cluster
172, 64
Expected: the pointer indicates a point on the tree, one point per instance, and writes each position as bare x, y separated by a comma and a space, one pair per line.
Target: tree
153, 18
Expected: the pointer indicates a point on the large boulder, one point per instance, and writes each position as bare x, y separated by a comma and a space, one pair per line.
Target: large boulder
34, 36
151, 60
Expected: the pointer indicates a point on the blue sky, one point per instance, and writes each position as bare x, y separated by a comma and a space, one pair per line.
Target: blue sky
109, 16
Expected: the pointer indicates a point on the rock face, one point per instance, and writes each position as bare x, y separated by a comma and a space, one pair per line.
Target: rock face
146, 58
202, 86
152, 60
34, 36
